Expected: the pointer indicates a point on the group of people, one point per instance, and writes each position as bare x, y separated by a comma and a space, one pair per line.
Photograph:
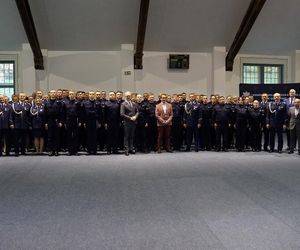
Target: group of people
113, 122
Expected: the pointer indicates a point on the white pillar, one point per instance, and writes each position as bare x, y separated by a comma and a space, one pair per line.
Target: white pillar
41, 76
127, 68
218, 70
296, 66
27, 70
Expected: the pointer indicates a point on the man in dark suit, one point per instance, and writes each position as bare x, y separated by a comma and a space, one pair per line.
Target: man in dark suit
129, 112
289, 103
294, 125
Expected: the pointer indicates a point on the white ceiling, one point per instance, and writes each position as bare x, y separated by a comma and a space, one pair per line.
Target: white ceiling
173, 25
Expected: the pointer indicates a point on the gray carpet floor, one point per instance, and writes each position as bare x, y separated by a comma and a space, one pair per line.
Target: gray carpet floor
204, 200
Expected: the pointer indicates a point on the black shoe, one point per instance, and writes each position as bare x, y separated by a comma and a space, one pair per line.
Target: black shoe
187, 150
196, 150
271, 151
170, 151
225, 150
218, 150
290, 152
132, 152
126, 153
56, 153
109, 152
279, 151
298, 153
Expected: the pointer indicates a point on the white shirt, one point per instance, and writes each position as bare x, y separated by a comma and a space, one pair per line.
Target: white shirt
164, 106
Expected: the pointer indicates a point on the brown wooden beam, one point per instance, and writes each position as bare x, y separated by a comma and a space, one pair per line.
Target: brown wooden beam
138, 56
28, 23
252, 13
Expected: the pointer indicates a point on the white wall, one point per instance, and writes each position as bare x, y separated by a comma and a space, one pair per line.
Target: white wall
104, 70
157, 78
83, 70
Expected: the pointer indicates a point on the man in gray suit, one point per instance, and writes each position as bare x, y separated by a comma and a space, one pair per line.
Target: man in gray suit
294, 125
129, 112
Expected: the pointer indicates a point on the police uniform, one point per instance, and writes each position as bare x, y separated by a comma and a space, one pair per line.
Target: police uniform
152, 126
21, 122
90, 117
37, 114
176, 130
192, 118
113, 120
256, 122
276, 118
221, 116
266, 132
241, 116
5, 122
141, 130
53, 117
72, 120
206, 125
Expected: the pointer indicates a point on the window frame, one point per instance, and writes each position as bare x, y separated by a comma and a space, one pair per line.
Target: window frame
261, 71
2, 86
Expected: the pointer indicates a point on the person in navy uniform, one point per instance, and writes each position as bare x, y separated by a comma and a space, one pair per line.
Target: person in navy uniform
152, 124
192, 122
289, 103
276, 121
53, 122
102, 136
141, 126
38, 124
72, 121
20, 123
5, 122
221, 117
264, 104
206, 122
112, 123
256, 122
177, 123
241, 116
81, 129
119, 98
60, 99
90, 118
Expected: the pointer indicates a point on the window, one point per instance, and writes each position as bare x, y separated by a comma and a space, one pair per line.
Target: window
262, 73
7, 78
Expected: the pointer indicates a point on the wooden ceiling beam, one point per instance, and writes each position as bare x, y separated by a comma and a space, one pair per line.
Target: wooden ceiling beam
28, 23
249, 19
138, 56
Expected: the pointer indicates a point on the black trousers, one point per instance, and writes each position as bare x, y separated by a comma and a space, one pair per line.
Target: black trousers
241, 131
176, 134
91, 136
279, 131
192, 132
5, 136
256, 137
102, 137
288, 138
140, 137
72, 136
113, 136
81, 138
295, 136
152, 134
206, 134
221, 136
129, 130
266, 133
20, 138
53, 137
